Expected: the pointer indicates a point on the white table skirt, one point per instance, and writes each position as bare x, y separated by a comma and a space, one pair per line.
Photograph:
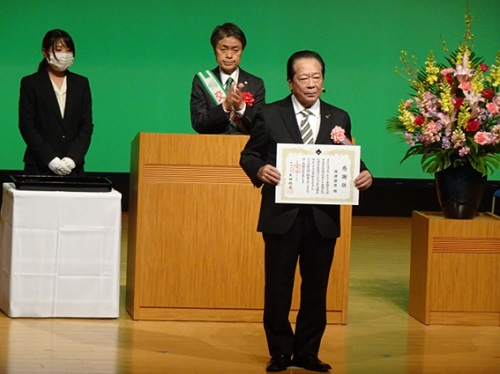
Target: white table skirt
60, 253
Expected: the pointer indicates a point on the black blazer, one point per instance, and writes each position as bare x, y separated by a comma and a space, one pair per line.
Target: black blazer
209, 118
276, 123
46, 133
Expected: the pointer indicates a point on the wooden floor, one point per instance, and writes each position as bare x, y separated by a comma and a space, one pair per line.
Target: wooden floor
380, 337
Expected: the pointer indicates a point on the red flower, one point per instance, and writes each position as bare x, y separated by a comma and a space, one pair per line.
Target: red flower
457, 102
247, 98
472, 125
447, 78
488, 93
484, 67
419, 121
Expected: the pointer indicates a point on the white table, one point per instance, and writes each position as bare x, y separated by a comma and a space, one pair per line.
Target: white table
60, 253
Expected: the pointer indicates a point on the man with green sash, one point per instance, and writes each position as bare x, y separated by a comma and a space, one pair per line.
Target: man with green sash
224, 100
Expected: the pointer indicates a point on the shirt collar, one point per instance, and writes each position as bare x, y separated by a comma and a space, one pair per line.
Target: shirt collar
298, 107
234, 75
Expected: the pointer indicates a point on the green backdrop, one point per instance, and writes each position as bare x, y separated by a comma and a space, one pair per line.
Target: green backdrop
141, 56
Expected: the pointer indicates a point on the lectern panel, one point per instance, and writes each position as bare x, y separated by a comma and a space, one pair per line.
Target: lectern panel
194, 252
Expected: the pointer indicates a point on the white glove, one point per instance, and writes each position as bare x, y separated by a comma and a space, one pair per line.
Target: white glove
58, 167
69, 163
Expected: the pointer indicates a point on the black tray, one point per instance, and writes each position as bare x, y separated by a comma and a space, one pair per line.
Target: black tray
56, 183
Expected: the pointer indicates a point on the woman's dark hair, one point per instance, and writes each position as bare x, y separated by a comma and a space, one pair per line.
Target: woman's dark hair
50, 40
227, 30
290, 68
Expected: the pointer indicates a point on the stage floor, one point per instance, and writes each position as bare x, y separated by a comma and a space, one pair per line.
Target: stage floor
380, 336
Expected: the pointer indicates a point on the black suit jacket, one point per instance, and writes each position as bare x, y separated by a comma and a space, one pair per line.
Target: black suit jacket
46, 133
209, 118
276, 123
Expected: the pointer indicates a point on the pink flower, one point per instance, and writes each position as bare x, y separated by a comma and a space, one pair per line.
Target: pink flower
408, 103
409, 139
338, 135
463, 151
462, 72
483, 138
447, 71
465, 86
473, 98
495, 134
493, 109
434, 127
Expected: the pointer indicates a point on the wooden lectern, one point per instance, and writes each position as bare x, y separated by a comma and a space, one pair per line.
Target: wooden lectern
193, 250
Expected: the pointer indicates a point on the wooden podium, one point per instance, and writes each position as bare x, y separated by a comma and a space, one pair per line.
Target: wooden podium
193, 250
455, 269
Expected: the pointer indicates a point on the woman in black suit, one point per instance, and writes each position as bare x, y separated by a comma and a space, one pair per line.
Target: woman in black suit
55, 111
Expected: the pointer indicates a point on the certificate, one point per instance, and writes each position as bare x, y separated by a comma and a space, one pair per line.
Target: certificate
317, 174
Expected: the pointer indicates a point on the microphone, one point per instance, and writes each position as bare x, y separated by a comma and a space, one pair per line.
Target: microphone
323, 90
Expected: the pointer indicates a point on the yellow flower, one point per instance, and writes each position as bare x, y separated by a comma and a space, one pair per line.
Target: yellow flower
463, 49
445, 97
406, 117
431, 69
463, 115
478, 80
494, 77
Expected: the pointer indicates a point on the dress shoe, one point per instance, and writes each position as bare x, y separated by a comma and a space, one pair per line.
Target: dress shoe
278, 363
312, 363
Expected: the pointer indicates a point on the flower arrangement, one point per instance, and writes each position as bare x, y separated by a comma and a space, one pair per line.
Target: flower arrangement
453, 116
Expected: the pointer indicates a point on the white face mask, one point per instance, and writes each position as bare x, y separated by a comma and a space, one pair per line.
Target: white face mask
61, 61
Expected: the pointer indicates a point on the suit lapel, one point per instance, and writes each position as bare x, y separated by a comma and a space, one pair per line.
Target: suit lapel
49, 91
242, 77
216, 72
70, 92
326, 125
290, 120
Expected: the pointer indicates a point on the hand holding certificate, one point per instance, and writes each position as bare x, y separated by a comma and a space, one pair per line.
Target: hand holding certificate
317, 174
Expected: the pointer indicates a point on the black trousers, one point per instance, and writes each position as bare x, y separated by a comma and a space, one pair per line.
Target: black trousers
314, 254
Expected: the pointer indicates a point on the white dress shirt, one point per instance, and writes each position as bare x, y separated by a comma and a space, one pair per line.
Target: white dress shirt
314, 118
60, 95
223, 79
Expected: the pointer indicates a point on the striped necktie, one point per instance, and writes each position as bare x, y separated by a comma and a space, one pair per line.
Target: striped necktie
305, 127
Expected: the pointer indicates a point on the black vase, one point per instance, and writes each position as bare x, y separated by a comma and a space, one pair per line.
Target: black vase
459, 191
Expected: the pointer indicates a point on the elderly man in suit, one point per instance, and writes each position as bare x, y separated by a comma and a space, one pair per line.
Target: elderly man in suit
223, 100
296, 233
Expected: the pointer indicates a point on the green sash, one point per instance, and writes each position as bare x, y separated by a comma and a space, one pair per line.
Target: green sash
218, 94
213, 86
